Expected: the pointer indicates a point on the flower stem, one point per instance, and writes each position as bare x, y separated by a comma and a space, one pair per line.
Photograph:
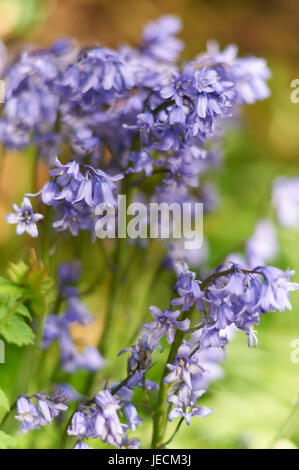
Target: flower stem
160, 423
174, 433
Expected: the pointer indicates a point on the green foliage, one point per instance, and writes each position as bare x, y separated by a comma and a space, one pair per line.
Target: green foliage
4, 405
6, 441
25, 294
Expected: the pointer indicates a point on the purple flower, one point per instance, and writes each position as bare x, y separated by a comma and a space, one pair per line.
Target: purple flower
130, 444
141, 352
276, 289
32, 416
159, 41
69, 177
25, 218
108, 426
185, 366
185, 405
131, 415
69, 273
82, 445
83, 423
181, 86
285, 199
248, 74
262, 246
188, 288
28, 415
58, 327
142, 161
52, 406
166, 322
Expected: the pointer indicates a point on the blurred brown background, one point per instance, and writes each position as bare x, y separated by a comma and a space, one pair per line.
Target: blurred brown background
269, 28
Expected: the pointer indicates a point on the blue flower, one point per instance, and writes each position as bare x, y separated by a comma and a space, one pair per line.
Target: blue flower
28, 415
185, 405
166, 322
25, 218
33, 416
82, 445
58, 326
185, 366
285, 199
140, 359
189, 289
159, 41
131, 415
262, 247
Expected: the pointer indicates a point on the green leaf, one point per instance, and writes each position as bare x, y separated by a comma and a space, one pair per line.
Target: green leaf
10, 290
23, 310
17, 271
6, 441
4, 404
16, 331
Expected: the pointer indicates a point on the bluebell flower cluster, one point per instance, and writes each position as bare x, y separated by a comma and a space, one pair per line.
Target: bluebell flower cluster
100, 418
110, 113
233, 296
32, 416
57, 326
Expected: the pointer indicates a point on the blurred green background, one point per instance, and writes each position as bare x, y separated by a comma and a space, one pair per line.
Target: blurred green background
256, 401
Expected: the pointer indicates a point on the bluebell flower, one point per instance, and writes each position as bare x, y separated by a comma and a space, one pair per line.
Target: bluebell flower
57, 327
109, 427
181, 86
28, 415
69, 177
130, 443
285, 199
97, 188
185, 405
25, 218
52, 406
141, 352
83, 423
82, 446
166, 323
69, 273
33, 416
262, 247
189, 289
248, 74
142, 161
276, 289
131, 415
159, 41
185, 366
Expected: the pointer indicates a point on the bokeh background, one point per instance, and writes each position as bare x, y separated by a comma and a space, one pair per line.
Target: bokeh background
256, 402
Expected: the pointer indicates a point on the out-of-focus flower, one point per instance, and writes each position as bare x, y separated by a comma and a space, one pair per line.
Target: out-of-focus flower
285, 198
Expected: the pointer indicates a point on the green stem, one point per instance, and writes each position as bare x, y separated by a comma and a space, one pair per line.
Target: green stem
287, 423
174, 433
160, 423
